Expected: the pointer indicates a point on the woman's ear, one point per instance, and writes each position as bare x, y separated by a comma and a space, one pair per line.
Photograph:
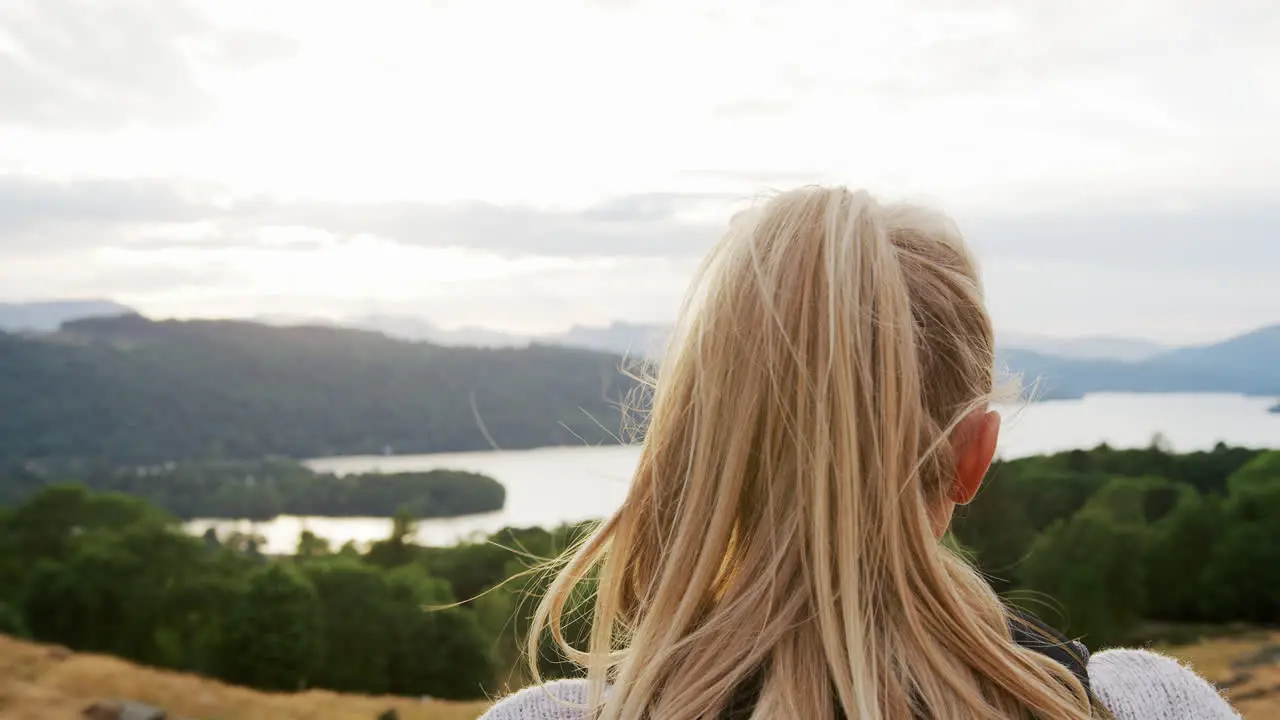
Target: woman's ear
974, 445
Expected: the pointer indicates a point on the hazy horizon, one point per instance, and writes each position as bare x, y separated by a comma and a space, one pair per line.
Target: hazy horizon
1134, 346
529, 167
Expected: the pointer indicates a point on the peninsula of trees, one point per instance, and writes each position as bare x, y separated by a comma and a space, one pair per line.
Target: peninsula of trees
263, 490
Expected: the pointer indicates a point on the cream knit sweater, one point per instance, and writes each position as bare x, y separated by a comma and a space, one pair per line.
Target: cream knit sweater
1133, 684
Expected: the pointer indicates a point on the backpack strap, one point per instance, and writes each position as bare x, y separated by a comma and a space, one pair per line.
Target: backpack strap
1029, 632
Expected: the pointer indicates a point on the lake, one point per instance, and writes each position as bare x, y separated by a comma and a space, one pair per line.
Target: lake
550, 486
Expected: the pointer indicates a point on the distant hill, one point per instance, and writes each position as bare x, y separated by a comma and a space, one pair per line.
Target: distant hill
1251, 353
1083, 348
620, 338
411, 328
132, 389
1064, 367
1248, 364
648, 339
49, 315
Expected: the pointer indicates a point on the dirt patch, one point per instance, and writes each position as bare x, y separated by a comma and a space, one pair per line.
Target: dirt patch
1246, 668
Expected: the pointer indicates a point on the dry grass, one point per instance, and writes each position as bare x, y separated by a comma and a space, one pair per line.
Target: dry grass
40, 682
1255, 689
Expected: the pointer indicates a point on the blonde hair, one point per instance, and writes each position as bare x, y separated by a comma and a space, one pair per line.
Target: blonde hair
779, 519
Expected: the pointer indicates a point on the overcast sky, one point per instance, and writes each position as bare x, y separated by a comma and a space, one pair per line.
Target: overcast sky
528, 165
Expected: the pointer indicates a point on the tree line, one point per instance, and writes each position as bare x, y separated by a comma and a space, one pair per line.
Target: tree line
110, 573
1120, 546
263, 490
1113, 546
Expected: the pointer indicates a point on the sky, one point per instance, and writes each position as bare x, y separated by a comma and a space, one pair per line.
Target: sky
526, 166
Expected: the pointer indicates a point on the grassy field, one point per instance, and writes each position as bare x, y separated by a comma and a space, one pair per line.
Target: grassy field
1248, 665
39, 682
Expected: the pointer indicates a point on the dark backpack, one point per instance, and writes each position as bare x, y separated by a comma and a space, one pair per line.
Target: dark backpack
1027, 630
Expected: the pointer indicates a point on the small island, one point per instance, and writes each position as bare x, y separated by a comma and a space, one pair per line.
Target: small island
1275, 409
266, 489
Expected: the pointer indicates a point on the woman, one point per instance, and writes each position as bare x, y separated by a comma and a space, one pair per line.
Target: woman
822, 409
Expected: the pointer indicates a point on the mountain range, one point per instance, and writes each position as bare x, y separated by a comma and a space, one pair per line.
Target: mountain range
1058, 367
1090, 347
628, 338
620, 337
1248, 364
647, 339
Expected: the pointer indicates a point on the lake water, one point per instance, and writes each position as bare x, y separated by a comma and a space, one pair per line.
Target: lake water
550, 486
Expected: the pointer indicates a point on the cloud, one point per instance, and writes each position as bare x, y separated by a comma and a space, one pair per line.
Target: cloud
757, 178
248, 47
753, 107
38, 215
1238, 233
623, 227
973, 103
85, 64
89, 274
181, 248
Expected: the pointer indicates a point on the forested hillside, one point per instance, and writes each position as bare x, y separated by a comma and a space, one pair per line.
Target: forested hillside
132, 390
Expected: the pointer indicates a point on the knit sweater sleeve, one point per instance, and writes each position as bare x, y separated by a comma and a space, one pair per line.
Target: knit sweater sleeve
560, 700
1141, 685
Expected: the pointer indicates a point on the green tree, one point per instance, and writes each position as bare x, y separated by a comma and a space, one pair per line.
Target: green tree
11, 622
274, 638
1135, 500
473, 567
47, 524
1092, 565
355, 607
81, 602
312, 546
996, 529
1177, 554
1242, 576
122, 591
398, 549
437, 650
1252, 490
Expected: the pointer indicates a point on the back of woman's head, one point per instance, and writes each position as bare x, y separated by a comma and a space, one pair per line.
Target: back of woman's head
779, 524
